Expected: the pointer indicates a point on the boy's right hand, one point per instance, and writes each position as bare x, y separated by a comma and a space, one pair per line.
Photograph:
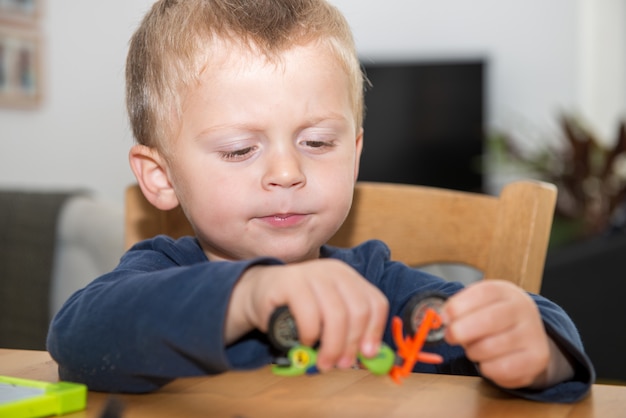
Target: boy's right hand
329, 300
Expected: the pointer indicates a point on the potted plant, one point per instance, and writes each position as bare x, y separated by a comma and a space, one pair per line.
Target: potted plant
589, 174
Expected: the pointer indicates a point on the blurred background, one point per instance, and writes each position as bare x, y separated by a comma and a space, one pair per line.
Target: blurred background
471, 94
540, 58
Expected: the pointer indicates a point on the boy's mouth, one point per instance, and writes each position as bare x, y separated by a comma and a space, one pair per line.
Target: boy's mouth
284, 219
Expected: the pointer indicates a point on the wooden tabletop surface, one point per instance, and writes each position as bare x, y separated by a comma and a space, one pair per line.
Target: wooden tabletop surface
349, 393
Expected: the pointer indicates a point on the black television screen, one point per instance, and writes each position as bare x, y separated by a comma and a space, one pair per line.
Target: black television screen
424, 124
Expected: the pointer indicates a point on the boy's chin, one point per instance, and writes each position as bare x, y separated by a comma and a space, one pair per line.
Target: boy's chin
292, 255
288, 251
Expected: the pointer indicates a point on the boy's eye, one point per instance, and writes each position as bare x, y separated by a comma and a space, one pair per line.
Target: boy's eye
318, 145
237, 155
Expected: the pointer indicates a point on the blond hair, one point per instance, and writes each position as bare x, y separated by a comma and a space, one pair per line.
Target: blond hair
168, 52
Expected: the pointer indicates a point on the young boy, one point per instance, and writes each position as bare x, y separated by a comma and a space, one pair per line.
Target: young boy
248, 114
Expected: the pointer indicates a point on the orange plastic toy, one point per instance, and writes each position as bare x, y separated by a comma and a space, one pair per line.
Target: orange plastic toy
410, 347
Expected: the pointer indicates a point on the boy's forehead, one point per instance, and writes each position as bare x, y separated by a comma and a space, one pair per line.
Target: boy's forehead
237, 66
234, 72
229, 55
225, 58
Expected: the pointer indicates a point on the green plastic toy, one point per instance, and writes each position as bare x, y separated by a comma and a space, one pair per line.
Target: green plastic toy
26, 398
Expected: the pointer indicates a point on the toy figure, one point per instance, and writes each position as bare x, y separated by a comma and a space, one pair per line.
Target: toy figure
421, 321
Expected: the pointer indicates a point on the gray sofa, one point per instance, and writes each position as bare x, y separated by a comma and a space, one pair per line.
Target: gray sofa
52, 244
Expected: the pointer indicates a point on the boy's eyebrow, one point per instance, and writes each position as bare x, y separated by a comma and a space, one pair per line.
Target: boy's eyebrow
329, 116
246, 126
234, 126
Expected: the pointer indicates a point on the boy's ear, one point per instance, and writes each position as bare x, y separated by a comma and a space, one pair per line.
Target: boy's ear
151, 172
359, 149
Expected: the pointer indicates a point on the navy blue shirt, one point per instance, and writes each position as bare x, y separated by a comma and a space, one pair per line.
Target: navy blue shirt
160, 315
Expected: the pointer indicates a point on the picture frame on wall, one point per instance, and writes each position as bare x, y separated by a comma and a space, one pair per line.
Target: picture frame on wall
20, 68
20, 11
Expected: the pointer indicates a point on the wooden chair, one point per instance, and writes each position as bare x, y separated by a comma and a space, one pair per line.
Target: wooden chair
504, 237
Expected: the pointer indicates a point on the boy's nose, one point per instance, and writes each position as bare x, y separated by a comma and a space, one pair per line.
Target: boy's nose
284, 169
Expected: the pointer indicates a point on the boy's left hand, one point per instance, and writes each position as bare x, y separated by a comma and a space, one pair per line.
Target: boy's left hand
500, 328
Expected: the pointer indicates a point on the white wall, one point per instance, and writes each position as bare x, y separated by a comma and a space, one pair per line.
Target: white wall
544, 57
79, 137
602, 64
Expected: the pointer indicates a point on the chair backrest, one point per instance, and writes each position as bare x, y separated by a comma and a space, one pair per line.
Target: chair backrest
504, 237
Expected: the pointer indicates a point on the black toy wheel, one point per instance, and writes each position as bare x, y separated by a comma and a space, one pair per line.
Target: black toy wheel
415, 310
282, 331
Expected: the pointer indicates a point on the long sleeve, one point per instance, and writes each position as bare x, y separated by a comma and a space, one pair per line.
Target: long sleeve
400, 283
564, 333
158, 316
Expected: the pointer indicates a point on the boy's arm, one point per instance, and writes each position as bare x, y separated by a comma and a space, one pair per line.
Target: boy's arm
559, 368
151, 320
164, 313
523, 343
563, 336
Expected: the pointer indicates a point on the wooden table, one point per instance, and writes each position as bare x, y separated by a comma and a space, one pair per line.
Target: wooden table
351, 393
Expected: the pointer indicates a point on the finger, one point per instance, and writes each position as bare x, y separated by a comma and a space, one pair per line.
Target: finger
367, 312
367, 309
344, 314
473, 297
478, 324
492, 347
334, 324
357, 315
521, 334
373, 334
302, 302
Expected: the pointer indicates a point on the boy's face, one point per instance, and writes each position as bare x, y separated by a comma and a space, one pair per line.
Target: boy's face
267, 155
